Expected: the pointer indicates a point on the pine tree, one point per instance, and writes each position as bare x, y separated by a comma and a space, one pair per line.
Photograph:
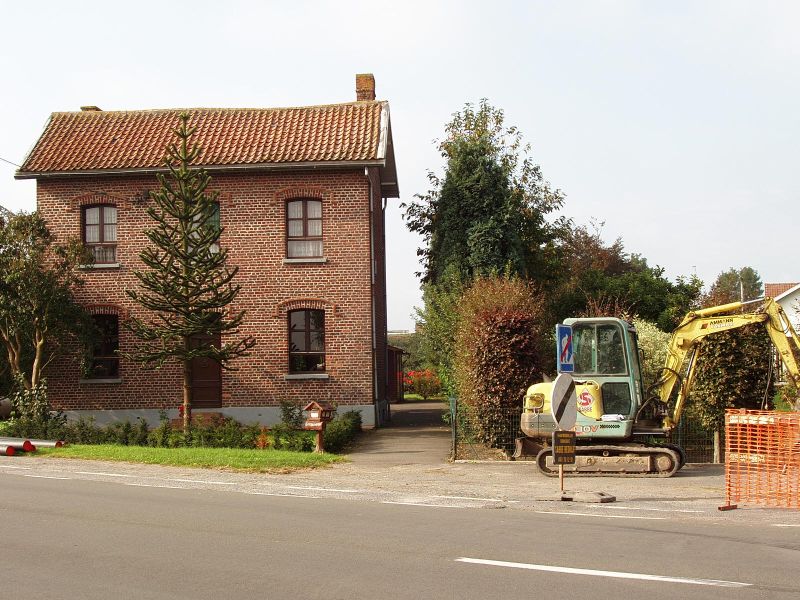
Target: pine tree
187, 285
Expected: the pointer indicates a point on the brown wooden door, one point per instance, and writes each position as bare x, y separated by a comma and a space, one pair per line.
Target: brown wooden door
206, 377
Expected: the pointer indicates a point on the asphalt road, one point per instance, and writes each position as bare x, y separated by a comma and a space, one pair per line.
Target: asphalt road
83, 535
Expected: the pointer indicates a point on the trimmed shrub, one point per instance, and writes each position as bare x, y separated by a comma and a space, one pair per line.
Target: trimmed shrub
733, 371
498, 351
341, 431
424, 383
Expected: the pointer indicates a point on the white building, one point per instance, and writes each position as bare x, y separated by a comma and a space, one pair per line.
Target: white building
788, 296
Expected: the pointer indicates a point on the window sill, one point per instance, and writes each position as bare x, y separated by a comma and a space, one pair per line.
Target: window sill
99, 266
306, 376
99, 381
299, 261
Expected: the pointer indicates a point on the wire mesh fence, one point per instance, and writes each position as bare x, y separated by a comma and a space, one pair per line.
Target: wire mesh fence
483, 439
474, 438
698, 442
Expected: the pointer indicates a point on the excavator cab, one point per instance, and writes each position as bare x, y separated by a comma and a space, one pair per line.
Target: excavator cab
607, 374
607, 379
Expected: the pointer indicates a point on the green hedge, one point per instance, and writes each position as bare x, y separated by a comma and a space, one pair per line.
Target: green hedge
226, 433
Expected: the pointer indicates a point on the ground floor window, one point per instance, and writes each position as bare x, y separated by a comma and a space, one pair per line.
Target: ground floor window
104, 355
306, 341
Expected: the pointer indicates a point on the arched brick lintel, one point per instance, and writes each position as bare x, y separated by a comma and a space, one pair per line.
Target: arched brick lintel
283, 308
107, 309
303, 191
95, 198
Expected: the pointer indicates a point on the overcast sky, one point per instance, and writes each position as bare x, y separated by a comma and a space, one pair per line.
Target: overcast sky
675, 124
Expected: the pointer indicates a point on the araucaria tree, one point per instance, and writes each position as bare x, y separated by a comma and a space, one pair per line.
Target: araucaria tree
38, 311
187, 285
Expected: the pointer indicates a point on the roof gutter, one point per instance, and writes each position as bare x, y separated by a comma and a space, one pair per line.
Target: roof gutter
313, 165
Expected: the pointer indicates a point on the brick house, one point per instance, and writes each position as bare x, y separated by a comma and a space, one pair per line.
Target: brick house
302, 193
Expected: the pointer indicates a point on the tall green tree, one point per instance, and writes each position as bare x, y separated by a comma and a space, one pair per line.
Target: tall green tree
38, 311
487, 214
187, 285
734, 285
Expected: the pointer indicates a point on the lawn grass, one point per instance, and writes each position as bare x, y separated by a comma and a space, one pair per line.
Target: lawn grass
408, 397
233, 459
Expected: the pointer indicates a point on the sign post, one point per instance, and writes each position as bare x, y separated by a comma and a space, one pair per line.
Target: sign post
563, 452
565, 412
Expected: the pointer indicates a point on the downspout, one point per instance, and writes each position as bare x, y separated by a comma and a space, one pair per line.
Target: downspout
375, 410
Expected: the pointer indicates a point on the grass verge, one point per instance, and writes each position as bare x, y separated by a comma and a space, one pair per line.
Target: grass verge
234, 459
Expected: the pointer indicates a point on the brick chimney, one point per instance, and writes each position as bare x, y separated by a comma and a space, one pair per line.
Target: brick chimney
365, 87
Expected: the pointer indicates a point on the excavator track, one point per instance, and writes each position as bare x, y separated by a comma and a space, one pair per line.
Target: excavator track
624, 460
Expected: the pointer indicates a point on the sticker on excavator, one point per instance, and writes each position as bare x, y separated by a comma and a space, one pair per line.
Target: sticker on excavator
563, 447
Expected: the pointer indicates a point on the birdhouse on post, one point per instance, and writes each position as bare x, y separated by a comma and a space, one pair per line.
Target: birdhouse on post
319, 414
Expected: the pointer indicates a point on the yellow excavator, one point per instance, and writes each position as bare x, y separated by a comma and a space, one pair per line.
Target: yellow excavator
621, 429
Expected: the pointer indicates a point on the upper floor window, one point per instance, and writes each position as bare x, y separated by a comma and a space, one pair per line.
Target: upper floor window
104, 357
214, 224
100, 232
304, 228
306, 341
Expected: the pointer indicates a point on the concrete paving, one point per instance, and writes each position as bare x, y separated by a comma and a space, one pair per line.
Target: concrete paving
417, 435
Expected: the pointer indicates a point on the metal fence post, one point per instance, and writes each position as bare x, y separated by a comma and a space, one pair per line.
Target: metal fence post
454, 426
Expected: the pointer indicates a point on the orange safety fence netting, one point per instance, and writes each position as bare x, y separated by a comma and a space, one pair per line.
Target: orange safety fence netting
762, 458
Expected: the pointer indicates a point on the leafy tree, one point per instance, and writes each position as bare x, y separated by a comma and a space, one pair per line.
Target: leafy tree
653, 342
38, 311
733, 371
409, 343
187, 286
487, 214
499, 351
438, 320
734, 285
595, 273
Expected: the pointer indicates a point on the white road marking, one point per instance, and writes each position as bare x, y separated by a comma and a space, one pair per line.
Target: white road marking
202, 481
577, 514
282, 495
785, 525
152, 485
15, 467
670, 510
102, 473
597, 573
422, 504
43, 476
322, 489
474, 498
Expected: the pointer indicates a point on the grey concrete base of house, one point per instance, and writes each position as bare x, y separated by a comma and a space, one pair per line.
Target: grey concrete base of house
263, 415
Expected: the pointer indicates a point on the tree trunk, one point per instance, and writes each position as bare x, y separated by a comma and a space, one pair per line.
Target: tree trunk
187, 390
716, 459
36, 369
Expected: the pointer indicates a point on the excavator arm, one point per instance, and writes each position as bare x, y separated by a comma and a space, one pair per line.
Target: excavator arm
682, 352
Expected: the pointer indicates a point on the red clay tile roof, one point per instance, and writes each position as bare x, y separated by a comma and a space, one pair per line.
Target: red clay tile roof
773, 290
78, 142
